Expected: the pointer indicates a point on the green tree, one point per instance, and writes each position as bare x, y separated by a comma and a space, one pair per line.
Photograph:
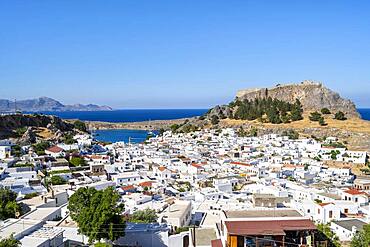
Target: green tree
325, 233
8, 205
98, 213
57, 180
174, 127
362, 237
333, 154
10, 242
80, 125
144, 216
297, 110
20, 131
273, 116
161, 131
340, 116
277, 111
77, 161
325, 111
16, 150
285, 118
41, 147
68, 139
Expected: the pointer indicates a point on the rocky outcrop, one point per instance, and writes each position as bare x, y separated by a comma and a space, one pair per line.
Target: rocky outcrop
9, 124
28, 137
46, 104
15, 121
313, 96
221, 111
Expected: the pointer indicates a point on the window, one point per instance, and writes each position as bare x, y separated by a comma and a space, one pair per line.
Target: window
330, 214
346, 210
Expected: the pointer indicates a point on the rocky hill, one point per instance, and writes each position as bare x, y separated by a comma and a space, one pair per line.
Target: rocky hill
312, 96
28, 128
46, 104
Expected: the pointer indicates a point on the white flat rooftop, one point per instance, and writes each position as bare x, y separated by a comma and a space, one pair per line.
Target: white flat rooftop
17, 226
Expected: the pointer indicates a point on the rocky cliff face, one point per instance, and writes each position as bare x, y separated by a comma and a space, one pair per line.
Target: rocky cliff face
9, 124
313, 96
46, 104
15, 121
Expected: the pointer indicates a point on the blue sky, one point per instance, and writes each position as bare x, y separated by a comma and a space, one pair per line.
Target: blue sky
180, 53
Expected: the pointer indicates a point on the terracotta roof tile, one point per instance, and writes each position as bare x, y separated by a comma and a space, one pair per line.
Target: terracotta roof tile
355, 192
146, 184
128, 187
325, 204
240, 163
55, 149
198, 166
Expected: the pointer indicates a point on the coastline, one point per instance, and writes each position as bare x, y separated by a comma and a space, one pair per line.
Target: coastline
141, 125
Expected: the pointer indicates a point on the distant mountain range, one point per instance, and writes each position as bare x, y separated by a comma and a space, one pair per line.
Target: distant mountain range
46, 104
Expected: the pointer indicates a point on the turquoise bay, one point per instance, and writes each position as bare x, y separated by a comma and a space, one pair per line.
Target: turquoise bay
118, 135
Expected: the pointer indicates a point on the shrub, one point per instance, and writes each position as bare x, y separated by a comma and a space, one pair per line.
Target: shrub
144, 216
80, 125
23, 165
56, 180
10, 242
292, 134
31, 195
40, 147
325, 111
174, 127
20, 131
77, 161
322, 122
16, 150
340, 116
315, 116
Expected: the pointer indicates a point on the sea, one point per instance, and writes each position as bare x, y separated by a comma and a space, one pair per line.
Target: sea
365, 113
137, 136
116, 116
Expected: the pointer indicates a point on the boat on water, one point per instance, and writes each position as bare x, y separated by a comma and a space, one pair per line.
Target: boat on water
150, 132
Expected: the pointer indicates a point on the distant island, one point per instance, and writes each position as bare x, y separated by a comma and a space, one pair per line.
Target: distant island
46, 104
